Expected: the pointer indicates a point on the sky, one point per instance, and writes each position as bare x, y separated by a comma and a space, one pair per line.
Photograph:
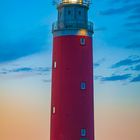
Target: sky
25, 68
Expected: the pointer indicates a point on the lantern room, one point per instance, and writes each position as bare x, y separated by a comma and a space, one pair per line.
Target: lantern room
80, 2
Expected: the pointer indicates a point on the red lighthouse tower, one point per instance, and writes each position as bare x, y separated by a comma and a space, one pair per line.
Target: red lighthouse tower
72, 73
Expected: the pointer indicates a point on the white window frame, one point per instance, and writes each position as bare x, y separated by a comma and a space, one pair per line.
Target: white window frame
53, 110
54, 64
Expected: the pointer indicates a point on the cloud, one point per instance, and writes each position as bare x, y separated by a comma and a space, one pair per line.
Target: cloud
46, 81
132, 24
30, 44
134, 17
99, 62
126, 62
133, 20
137, 9
36, 70
136, 79
96, 65
136, 68
120, 10
124, 1
24, 69
3, 72
97, 77
134, 30
133, 68
133, 46
116, 77
43, 69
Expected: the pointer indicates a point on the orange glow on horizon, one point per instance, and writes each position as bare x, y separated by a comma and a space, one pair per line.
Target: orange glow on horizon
22, 120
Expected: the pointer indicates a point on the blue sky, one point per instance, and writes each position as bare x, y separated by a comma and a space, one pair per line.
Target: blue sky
26, 49
26, 30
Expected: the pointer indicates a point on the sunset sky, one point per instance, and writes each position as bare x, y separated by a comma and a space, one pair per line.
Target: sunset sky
25, 68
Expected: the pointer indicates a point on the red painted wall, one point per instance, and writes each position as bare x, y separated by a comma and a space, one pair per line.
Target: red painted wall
73, 106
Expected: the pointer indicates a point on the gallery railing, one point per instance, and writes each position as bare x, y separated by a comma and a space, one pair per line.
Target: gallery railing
72, 25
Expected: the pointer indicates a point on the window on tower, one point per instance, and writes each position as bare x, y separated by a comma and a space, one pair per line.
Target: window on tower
82, 41
54, 64
53, 110
83, 85
83, 132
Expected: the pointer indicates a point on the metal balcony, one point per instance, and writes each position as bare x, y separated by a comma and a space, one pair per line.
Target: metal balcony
72, 26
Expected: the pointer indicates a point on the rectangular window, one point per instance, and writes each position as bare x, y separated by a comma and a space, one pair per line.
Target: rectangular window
53, 110
54, 64
83, 132
83, 85
82, 41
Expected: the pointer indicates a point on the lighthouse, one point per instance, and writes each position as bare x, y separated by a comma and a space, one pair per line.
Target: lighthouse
72, 103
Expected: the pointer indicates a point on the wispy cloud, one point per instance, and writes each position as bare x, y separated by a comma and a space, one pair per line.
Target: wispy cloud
33, 43
126, 62
132, 24
134, 17
124, 1
135, 45
131, 65
96, 65
136, 68
127, 13
136, 79
46, 81
99, 62
134, 30
37, 70
120, 10
116, 77
24, 69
